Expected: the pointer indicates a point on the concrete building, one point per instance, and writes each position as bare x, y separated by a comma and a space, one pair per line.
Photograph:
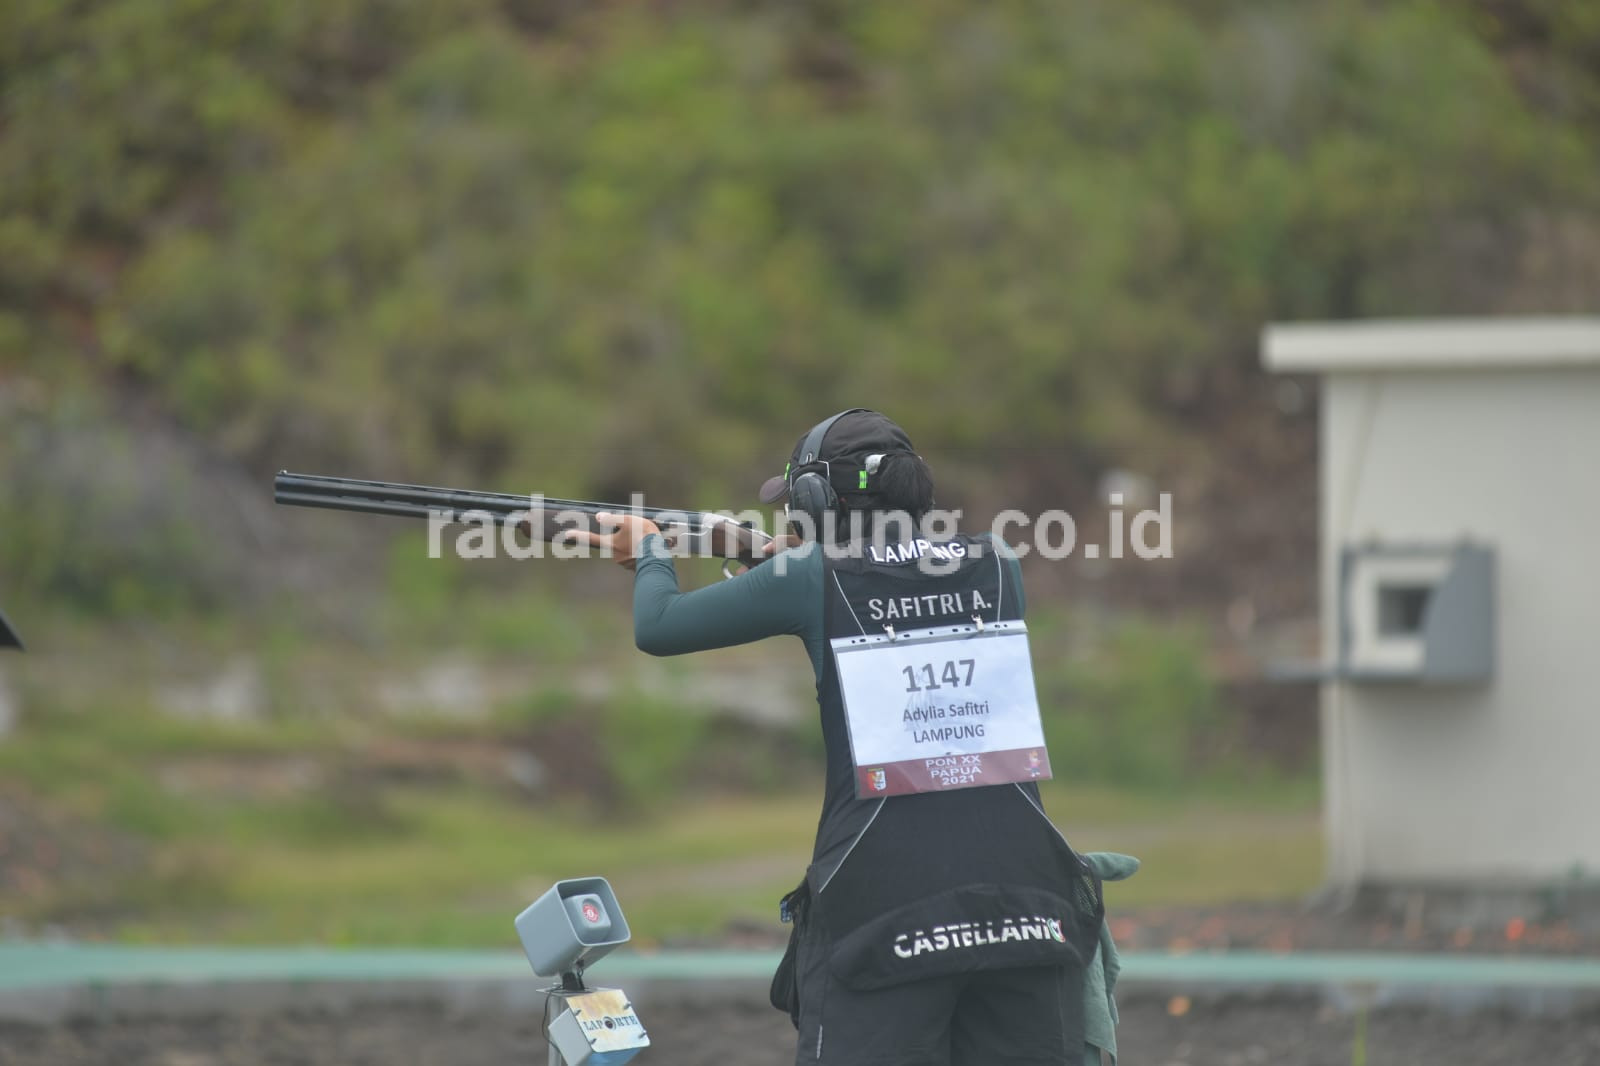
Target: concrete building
1460, 590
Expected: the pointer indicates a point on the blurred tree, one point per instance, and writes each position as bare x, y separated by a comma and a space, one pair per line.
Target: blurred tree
595, 248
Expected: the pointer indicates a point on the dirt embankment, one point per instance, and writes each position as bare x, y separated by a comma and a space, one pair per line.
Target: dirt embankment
1273, 1032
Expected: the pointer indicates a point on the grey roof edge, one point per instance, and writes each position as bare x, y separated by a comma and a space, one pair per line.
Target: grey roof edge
1432, 343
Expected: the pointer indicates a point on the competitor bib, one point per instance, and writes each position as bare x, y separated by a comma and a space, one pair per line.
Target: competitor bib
937, 709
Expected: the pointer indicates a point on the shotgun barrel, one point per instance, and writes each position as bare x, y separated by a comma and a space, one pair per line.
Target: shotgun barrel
700, 533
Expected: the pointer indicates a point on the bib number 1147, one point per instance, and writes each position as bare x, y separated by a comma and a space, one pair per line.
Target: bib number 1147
957, 673
932, 710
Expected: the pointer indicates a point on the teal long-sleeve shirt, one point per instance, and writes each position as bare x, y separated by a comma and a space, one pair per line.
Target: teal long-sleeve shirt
781, 596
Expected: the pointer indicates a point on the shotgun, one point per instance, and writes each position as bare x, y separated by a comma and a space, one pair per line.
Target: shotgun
705, 534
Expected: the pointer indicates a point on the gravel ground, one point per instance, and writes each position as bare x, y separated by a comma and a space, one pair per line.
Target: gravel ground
1278, 1029
1155, 1031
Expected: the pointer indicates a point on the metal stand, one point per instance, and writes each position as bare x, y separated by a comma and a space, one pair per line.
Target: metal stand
558, 995
555, 1058
593, 1026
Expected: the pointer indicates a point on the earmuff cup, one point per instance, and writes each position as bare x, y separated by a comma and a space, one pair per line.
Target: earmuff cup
811, 495
809, 490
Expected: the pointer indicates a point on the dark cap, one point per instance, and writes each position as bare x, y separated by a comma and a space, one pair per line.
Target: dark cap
856, 435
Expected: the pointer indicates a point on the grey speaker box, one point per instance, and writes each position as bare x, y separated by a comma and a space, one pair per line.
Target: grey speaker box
571, 926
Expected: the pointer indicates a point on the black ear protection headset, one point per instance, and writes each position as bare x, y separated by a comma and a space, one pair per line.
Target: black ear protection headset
811, 479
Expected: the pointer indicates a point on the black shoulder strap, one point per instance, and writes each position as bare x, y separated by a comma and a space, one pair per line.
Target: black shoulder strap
8, 636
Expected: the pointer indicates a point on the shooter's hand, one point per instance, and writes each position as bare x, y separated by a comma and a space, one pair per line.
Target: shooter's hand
781, 543
621, 542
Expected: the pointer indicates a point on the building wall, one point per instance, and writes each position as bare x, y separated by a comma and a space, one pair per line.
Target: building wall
1499, 781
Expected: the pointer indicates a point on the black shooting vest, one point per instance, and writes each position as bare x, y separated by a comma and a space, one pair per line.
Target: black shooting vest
934, 883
